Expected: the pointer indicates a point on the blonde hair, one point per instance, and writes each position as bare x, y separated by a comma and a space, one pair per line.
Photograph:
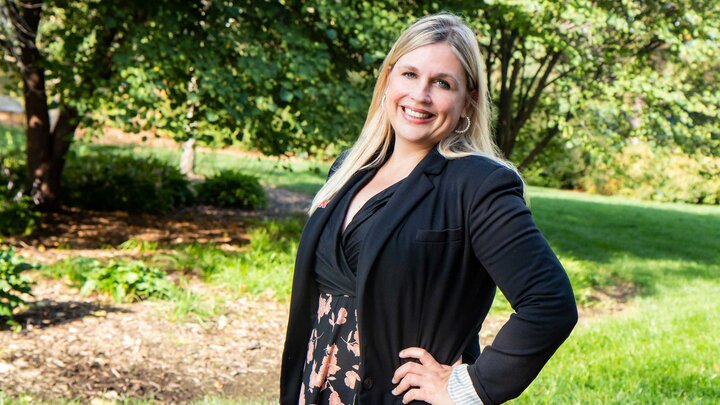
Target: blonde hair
377, 134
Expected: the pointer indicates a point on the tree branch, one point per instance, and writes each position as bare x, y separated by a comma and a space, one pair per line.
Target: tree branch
524, 96
523, 115
558, 77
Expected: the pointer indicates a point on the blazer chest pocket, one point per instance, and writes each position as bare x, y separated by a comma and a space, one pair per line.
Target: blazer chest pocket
439, 236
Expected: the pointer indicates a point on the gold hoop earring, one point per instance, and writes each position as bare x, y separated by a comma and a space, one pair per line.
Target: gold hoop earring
467, 126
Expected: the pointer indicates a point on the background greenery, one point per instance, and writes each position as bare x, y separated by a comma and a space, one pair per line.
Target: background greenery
578, 85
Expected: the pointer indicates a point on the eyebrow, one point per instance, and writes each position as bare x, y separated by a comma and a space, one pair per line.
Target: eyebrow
439, 75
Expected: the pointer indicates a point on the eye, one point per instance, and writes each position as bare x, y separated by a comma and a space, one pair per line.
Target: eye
409, 75
443, 84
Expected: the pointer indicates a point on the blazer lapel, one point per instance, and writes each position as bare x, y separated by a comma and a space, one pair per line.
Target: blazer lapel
407, 196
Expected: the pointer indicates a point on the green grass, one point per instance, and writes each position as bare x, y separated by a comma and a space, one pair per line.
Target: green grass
648, 244
663, 350
663, 347
263, 267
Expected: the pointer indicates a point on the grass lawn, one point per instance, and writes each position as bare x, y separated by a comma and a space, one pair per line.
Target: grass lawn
662, 348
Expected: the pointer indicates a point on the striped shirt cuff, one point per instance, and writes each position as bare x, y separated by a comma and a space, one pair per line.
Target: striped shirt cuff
460, 387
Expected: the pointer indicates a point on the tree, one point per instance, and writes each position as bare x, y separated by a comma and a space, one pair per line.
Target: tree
288, 77
73, 72
556, 60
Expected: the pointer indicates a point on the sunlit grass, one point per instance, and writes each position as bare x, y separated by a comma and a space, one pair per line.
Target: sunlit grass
264, 267
661, 349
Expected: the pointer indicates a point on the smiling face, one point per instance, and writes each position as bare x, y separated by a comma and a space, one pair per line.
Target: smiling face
426, 95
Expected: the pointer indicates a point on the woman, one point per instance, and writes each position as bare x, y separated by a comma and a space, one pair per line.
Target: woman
417, 224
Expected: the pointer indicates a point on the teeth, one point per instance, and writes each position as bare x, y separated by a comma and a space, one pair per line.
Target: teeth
416, 114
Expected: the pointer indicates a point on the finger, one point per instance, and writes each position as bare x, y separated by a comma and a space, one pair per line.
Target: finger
413, 395
409, 367
421, 354
410, 380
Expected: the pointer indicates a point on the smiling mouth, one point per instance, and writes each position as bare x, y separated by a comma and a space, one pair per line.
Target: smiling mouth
416, 114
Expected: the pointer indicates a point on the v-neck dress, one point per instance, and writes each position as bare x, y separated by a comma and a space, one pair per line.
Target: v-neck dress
331, 373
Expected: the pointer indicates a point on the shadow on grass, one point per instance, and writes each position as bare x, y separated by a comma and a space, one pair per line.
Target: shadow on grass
597, 231
647, 244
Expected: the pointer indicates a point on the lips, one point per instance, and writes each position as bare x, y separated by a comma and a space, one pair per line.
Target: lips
416, 113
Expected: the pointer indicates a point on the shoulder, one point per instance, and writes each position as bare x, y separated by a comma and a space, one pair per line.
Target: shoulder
478, 170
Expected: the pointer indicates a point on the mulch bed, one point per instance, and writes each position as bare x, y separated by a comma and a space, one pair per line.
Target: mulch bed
87, 348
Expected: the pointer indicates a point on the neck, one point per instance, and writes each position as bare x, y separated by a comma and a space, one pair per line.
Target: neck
406, 156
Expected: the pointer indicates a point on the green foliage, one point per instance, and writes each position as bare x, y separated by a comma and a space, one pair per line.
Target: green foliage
105, 182
18, 217
12, 282
139, 245
232, 189
124, 281
294, 77
634, 168
651, 172
17, 211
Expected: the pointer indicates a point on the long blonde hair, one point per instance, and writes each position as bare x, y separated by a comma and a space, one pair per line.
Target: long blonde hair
377, 134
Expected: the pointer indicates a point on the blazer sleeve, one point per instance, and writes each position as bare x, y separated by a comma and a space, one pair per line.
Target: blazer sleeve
517, 257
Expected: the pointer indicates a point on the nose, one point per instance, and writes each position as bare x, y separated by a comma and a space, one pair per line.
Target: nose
421, 92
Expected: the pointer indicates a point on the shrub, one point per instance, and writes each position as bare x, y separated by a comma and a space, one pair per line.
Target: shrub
13, 177
18, 217
107, 182
124, 281
646, 171
12, 282
232, 189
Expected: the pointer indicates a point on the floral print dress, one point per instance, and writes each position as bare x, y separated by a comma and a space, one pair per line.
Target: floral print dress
332, 367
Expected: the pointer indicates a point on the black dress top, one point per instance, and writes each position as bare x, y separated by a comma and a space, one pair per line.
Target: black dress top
338, 252
331, 373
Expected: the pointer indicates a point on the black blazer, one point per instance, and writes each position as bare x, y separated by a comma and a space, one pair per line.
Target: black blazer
453, 231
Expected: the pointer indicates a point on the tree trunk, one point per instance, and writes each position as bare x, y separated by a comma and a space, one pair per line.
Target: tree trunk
187, 158
45, 149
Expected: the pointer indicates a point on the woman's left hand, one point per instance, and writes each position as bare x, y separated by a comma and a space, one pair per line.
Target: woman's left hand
428, 379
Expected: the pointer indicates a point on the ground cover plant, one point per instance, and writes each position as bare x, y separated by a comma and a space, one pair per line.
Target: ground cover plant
108, 182
13, 283
263, 267
122, 280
